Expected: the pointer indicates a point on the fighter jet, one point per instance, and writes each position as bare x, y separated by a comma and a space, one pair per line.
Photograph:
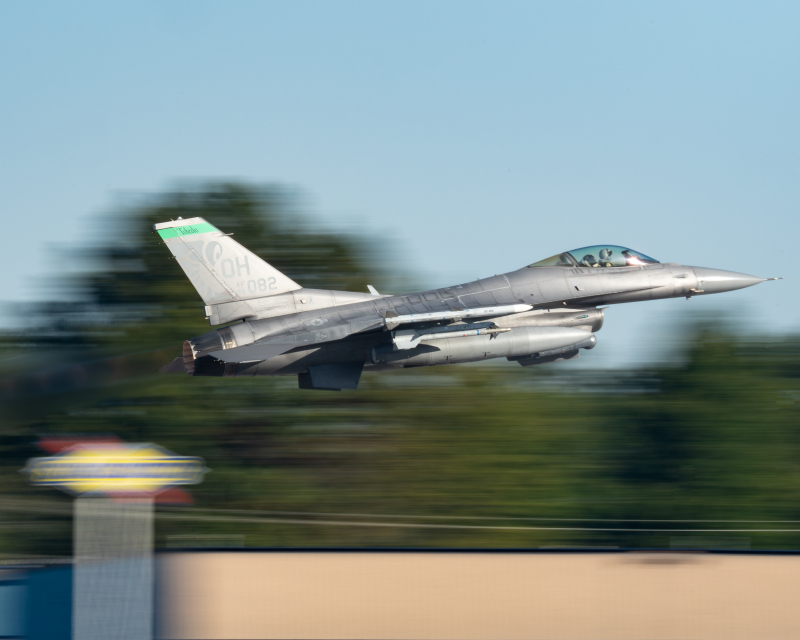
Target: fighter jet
544, 312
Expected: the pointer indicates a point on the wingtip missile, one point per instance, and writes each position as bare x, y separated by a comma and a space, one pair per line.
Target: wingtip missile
458, 314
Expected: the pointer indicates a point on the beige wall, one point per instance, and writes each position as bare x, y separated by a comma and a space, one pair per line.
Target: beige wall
641, 596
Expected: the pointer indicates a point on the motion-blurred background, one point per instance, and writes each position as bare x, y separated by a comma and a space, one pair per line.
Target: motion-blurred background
409, 146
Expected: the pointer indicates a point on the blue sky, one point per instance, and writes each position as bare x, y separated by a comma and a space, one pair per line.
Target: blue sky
479, 136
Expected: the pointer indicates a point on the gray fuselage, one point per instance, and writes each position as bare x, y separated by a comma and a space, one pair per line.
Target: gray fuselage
563, 297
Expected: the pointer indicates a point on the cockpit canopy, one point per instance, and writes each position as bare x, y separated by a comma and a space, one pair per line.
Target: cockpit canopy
601, 255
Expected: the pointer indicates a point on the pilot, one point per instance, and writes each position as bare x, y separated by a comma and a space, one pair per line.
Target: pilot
605, 257
589, 261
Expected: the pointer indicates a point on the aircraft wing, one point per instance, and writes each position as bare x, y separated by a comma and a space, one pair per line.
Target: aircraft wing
275, 346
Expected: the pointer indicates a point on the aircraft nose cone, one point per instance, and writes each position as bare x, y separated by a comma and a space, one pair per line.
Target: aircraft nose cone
719, 281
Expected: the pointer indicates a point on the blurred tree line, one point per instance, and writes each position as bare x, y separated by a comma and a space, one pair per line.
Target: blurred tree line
701, 454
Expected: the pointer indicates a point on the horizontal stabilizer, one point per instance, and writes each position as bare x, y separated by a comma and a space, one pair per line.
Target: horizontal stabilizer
252, 352
267, 349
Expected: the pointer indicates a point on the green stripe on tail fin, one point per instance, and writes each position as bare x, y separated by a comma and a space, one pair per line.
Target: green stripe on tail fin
187, 230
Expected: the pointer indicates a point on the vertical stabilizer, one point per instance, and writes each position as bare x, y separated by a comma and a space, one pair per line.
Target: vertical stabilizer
220, 268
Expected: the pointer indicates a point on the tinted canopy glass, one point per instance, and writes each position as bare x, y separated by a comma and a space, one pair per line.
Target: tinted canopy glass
601, 255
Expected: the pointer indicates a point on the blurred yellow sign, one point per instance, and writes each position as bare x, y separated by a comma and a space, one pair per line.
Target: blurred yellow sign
103, 468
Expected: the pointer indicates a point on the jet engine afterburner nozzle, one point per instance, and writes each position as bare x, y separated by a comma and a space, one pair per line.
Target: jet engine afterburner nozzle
200, 346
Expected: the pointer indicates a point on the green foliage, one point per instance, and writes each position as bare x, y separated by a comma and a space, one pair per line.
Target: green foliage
480, 455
